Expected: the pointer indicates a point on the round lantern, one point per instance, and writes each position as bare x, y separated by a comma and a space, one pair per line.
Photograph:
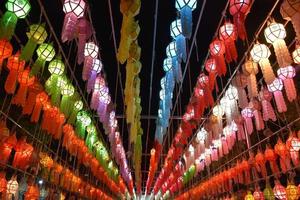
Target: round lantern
217, 50
296, 54
274, 31
56, 67
227, 33
15, 9
176, 34
96, 69
167, 65
260, 54
66, 103
91, 51
45, 52
258, 195
12, 187
279, 191
268, 192
249, 196
292, 192
5, 51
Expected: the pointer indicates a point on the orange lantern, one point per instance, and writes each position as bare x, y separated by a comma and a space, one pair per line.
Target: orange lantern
282, 151
261, 163
292, 192
55, 173
6, 147
40, 100
32, 193
46, 163
25, 80
3, 184
5, 50
33, 91
4, 131
271, 157
15, 65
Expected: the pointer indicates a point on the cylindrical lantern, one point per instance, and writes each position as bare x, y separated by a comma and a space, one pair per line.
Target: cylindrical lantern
228, 34
45, 52
260, 53
275, 87
67, 92
16, 9
78, 105
73, 9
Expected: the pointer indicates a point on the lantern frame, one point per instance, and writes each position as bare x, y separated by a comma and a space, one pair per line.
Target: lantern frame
75, 6
20, 8
259, 52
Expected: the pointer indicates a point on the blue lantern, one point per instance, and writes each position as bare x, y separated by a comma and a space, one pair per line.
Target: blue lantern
186, 7
171, 52
176, 33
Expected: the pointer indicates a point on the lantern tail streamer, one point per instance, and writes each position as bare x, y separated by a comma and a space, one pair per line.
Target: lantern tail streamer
252, 86
37, 66
282, 53
267, 71
10, 83
239, 21
242, 98
268, 111
66, 105
280, 103
259, 123
249, 125
186, 21
87, 67
28, 50
181, 47
20, 97
8, 25
91, 81
212, 80
295, 157
69, 27
290, 89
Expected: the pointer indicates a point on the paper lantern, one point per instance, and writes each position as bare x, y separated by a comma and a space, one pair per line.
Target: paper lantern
271, 157
239, 10
261, 163
251, 68
247, 114
45, 52
23, 155
186, 7
36, 35
240, 82
279, 191
177, 35
3, 183
84, 32
99, 84
33, 91
82, 121
260, 54
292, 192
258, 195
217, 51
286, 74
16, 9
32, 193
5, 51
6, 147
283, 152
218, 112
228, 34
296, 54
249, 196
171, 52
15, 65
90, 53
211, 68
275, 87
67, 92
167, 64
268, 192
293, 145
12, 188
25, 80
40, 101
73, 9
290, 11
275, 34
268, 110
78, 105
96, 69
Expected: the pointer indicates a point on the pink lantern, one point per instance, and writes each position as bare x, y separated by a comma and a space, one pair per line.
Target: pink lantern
275, 87
74, 9
279, 191
267, 108
90, 53
96, 69
84, 32
228, 34
247, 114
286, 74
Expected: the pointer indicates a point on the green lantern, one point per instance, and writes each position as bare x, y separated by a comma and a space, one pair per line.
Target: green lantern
67, 92
91, 137
36, 35
45, 52
16, 9
268, 192
78, 105
101, 154
56, 81
82, 121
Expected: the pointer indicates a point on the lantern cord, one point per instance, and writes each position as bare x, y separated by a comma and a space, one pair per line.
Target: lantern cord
151, 74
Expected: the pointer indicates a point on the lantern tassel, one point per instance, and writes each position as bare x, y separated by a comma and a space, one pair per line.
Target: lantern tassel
37, 66
69, 27
259, 123
290, 89
295, 157
94, 100
72, 117
87, 67
30, 101
267, 71
177, 70
212, 80
80, 48
7, 25
28, 50
239, 21
186, 21
242, 98
181, 47
221, 65
268, 111
20, 97
280, 103
10, 83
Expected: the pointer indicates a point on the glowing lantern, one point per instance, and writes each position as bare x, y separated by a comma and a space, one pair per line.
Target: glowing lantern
171, 52
247, 114
43, 193
78, 105
96, 69
268, 192
252, 69
271, 157
84, 32
283, 152
6, 147
82, 121
292, 192
275, 87
218, 112
40, 101
25, 81
98, 86
16, 9
260, 54
36, 35
211, 68
186, 7
290, 11
56, 94
296, 54
249, 196
74, 9
287, 74
258, 195
167, 65
104, 101
3, 183
5, 51
45, 52
23, 155
261, 163
33, 91
279, 191
90, 53
217, 50
268, 110
176, 34
228, 34
67, 92
15, 65
239, 10
56, 68
12, 188
293, 145
32, 193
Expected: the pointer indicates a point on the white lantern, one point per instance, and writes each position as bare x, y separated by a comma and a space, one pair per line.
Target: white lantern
171, 50
167, 65
91, 49
218, 111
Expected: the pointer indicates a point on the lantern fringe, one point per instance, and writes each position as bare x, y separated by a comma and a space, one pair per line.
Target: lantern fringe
7, 25
242, 98
186, 21
31, 99
259, 123
290, 89
282, 53
239, 22
91, 81
66, 105
28, 50
252, 86
267, 71
295, 157
37, 66
181, 47
11, 80
212, 80
69, 27
249, 125
72, 117
20, 97
87, 67
230, 51
268, 111
280, 103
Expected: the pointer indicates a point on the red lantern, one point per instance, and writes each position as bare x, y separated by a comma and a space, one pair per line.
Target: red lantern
33, 91
239, 10
282, 151
271, 157
15, 65
261, 163
227, 33
5, 51
23, 155
203, 82
32, 193
25, 80
293, 145
6, 147
211, 68
217, 51
40, 100
3, 184
279, 191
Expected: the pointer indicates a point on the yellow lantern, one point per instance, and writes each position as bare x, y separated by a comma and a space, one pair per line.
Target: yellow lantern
292, 192
249, 196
